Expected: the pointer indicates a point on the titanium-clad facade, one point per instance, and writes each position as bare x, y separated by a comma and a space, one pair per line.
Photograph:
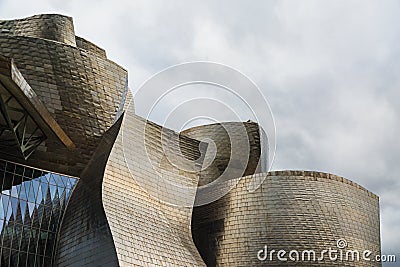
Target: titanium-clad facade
147, 229
81, 89
218, 155
87, 182
291, 210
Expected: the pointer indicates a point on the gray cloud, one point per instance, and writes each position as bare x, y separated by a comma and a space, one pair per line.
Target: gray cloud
329, 70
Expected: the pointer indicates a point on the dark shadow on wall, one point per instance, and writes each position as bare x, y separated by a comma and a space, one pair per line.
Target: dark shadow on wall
85, 238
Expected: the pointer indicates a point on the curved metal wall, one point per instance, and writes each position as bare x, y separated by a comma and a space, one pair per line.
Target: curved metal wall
291, 210
148, 231
81, 88
47, 26
222, 137
85, 238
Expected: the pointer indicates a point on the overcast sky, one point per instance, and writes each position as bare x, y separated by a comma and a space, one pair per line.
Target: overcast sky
329, 69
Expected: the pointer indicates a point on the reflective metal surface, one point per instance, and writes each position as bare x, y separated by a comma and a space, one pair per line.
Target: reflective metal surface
291, 210
80, 88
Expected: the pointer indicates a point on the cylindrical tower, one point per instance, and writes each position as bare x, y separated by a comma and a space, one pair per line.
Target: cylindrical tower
222, 139
299, 211
52, 27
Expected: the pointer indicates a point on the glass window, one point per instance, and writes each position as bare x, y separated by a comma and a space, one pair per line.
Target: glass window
44, 189
53, 179
31, 193
14, 192
31, 208
14, 206
16, 237
23, 206
58, 179
22, 191
35, 186
53, 191
22, 259
1, 226
32, 203
10, 167
33, 240
39, 194
2, 211
64, 180
25, 234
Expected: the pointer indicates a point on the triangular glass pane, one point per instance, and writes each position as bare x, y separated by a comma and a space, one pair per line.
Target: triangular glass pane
18, 187
44, 187
4, 200
39, 195
14, 191
72, 181
43, 179
2, 213
22, 204
35, 186
31, 194
22, 193
1, 226
64, 180
9, 210
47, 176
67, 193
27, 188
31, 208
53, 190
60, 192
57, 178
69, 185
14, 206
53, 179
